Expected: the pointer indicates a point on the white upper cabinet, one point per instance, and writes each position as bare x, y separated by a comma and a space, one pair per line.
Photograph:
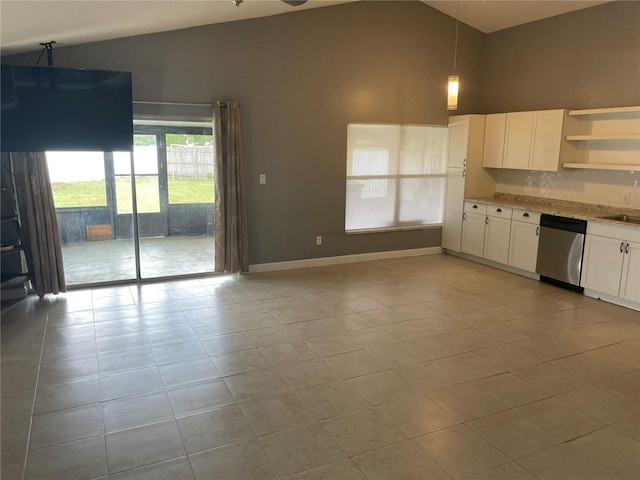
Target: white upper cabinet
547, 140
458, 141
528, 140
517, 140
494, 140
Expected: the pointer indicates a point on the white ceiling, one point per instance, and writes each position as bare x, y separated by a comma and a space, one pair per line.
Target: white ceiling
26, 23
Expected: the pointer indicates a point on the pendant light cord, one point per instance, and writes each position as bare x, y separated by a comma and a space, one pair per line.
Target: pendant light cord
455, 46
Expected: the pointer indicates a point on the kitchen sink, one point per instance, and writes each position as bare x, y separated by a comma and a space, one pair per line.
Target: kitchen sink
622, 218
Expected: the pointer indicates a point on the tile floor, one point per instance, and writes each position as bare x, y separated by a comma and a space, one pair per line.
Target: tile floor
416, 368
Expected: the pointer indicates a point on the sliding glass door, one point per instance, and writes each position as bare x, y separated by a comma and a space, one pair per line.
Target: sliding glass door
161, 200
180, 239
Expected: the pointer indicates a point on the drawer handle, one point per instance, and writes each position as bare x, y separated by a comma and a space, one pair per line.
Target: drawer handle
464, 216
464, 162
486, 220
537, 231
621, 247
463, 173
475, 206
499, 210
626, 249
525, 214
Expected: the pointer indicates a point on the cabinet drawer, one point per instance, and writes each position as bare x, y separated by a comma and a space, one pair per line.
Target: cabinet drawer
500, 212
475, 207
622, 232
526, 216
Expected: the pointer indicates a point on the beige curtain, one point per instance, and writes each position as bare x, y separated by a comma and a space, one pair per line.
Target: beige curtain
232, 250
39, 221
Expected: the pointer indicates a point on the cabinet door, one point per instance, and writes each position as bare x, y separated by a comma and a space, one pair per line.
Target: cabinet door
494, 140
458, 140
454, 199
523, 246
517, 140
630, 282
473, 234
602, 264
547, 138
496, 239
452, 230
454, 203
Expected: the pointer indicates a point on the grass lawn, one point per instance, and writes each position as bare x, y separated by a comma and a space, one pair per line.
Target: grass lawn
93, 193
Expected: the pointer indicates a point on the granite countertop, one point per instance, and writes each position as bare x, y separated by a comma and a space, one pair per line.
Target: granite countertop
582, 211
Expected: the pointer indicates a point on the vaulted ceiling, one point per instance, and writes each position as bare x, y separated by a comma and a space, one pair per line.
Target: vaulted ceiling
26, 23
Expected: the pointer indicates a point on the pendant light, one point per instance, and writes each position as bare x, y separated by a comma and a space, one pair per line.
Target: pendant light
454, 80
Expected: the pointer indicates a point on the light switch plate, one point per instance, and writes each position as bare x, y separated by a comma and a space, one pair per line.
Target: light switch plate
263, 179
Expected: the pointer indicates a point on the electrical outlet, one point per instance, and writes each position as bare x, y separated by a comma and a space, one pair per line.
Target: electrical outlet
318, 240
627, 198
263, 179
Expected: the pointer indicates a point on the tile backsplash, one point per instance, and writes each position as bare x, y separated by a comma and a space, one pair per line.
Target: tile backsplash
604, 187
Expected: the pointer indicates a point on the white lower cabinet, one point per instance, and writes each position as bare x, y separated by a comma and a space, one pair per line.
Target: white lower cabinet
485, 231
453, 208
473, 233
611, 262
496, 234
523, 242
630, 280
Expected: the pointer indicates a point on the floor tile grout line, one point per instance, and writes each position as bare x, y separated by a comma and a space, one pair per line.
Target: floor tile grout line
33, 403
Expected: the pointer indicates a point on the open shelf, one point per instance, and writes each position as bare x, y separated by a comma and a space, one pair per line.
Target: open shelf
604, 111
602, 166
630, 136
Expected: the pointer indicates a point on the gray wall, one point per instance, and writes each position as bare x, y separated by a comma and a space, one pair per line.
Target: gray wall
584, 59
300, 78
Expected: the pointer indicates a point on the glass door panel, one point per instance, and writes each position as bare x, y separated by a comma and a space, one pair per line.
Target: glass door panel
186, 165
92, 249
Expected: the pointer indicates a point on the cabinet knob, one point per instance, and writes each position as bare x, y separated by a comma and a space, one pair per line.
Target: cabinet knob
475, 206
499, 210
525, 214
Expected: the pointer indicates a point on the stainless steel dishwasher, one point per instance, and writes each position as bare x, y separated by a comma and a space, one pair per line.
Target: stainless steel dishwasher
560, 251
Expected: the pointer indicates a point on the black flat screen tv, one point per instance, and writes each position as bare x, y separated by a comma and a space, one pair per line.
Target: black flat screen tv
50, 108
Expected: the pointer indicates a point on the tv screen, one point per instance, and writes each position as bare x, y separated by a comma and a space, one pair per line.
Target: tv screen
49, 108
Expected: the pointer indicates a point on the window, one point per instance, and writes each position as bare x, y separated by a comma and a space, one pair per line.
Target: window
395, 176
189, 168
77, 179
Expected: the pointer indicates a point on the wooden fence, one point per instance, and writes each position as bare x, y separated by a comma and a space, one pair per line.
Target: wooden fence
190, 160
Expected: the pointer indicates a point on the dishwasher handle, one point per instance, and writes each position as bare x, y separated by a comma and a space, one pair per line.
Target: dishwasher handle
563, 223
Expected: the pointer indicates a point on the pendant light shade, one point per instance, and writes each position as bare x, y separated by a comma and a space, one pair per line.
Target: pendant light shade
452, 95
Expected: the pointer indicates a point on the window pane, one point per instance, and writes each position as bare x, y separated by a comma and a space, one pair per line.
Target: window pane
370, 204
372, 149
145, 157
148, 199
77, 179
423, 149
190, 168
421, 200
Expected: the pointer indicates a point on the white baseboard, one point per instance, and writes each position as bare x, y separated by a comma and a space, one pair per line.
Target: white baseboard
611, 299
489, 263
325, 261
